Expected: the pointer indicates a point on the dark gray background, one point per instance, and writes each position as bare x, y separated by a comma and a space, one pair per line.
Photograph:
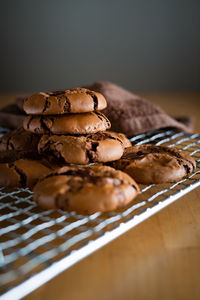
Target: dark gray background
142, 45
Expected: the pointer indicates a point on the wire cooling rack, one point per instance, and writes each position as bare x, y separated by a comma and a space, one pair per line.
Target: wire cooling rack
36, 245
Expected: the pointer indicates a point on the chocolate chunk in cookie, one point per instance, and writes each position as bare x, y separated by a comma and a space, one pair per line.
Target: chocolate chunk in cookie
23, 172
75, 100
98, 147
67, 124
155, 164
85, 189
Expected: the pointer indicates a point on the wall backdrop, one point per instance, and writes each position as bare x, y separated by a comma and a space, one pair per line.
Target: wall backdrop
144, 45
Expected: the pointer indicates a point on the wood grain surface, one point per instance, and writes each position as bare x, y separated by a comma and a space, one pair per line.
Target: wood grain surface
158, 259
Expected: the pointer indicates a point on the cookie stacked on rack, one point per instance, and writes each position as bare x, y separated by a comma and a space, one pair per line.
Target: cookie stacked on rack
72, 127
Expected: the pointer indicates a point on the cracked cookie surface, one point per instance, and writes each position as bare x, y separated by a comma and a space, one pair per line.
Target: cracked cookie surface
75, 100
98, 147
91, 122
23, 172
18, 144
85, 189
155, 164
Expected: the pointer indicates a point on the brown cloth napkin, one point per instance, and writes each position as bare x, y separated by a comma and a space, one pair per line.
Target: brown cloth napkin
127, 112
131, 114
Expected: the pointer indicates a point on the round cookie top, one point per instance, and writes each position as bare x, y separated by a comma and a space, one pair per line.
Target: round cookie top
85, 189
97, 147
77, 100
23, 172
155, 164
91, 122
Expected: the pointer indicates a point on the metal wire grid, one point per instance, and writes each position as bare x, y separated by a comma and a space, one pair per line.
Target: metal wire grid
36, 244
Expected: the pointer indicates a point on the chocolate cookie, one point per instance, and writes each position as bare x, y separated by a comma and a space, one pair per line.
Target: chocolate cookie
67, 124
120, 136
155, 164
97, 147
18, 144
23, 172
85, 189
76, 100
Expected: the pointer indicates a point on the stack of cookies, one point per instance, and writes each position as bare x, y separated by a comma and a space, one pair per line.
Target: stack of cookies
72, 130
72, 127
63, 128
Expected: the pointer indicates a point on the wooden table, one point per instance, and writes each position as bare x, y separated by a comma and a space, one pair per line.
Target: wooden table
158, 259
